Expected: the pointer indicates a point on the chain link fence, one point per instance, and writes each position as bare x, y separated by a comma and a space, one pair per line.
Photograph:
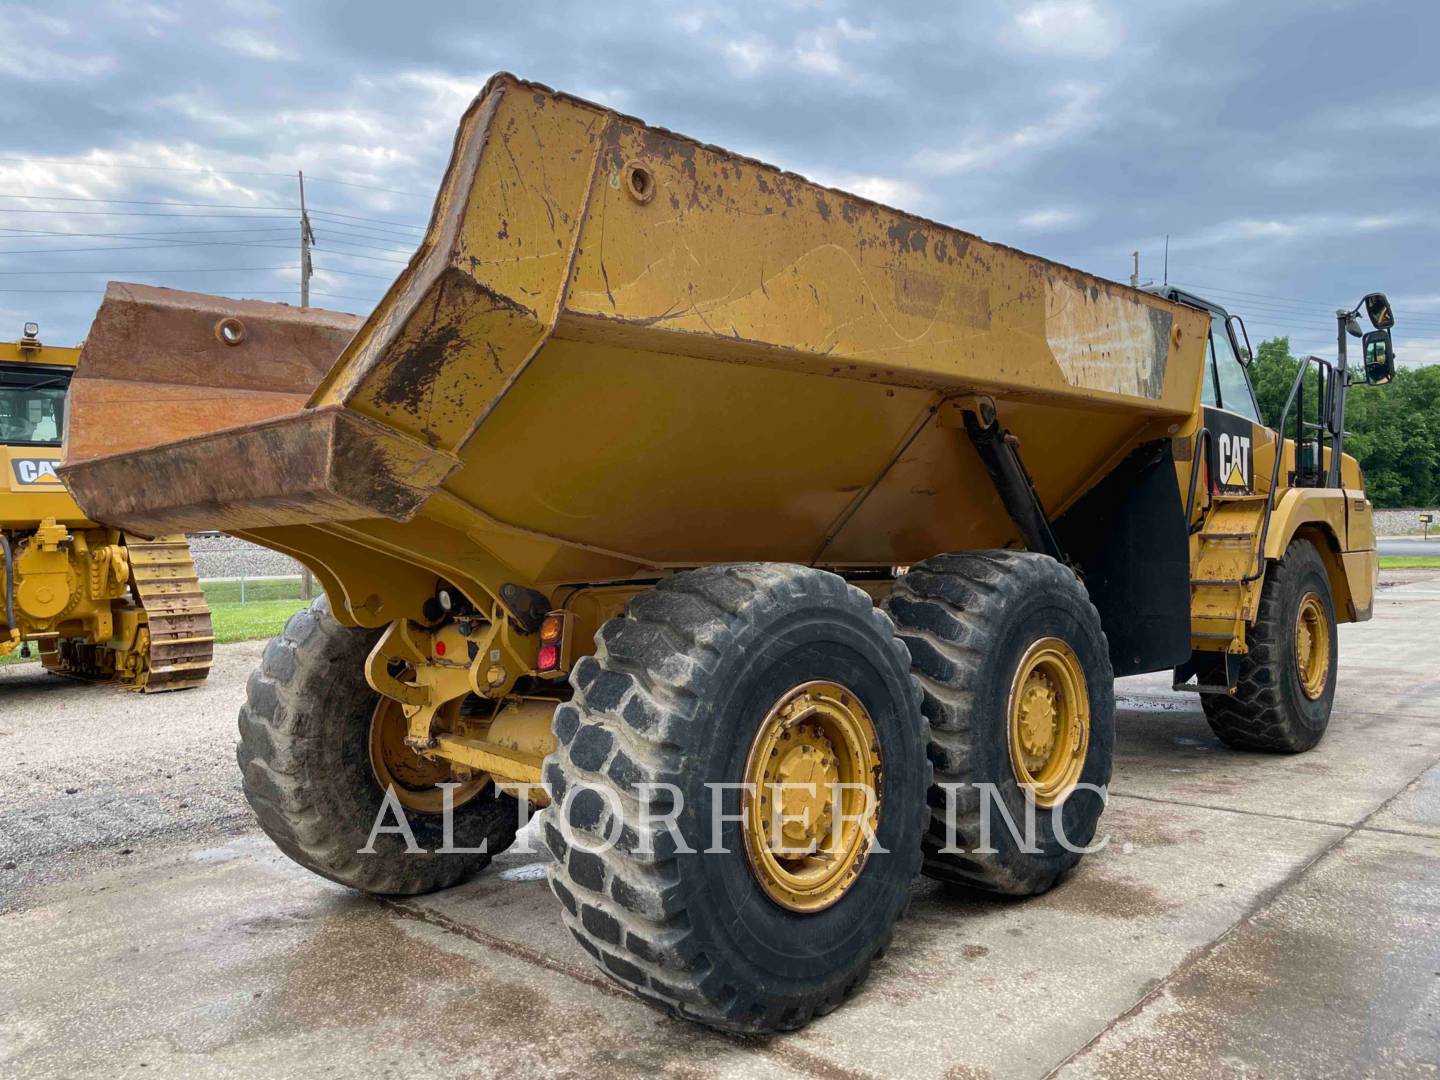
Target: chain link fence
234, 571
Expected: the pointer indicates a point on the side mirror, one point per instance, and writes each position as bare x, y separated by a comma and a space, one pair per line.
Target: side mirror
1379, 357
1378, 308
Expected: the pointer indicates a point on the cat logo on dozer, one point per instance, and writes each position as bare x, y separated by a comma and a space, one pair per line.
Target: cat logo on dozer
29, 471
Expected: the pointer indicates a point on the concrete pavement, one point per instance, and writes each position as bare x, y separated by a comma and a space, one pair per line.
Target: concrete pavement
1251, 914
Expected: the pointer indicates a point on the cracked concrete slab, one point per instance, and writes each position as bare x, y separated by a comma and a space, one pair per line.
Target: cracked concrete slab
1416, 809
1339, 976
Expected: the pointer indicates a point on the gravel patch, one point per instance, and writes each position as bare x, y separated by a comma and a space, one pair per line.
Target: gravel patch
227, 557
90, 774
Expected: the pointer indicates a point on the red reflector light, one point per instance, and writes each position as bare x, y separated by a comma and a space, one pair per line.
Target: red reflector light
439, 648
549, 658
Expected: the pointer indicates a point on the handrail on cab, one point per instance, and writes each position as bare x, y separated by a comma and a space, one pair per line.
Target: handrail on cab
1203, 438
1280, 455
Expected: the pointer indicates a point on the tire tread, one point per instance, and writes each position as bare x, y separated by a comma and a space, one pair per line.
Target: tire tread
626, 908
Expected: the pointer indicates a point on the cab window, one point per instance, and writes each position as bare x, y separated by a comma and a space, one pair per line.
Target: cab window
1232, 388
32, 407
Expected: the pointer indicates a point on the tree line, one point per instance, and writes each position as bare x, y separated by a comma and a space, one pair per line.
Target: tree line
1392, 430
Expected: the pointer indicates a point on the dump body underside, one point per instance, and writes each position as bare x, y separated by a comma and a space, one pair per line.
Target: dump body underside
618, 351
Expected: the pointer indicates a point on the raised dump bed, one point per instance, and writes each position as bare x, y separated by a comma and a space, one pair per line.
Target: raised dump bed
618, 349
605, 492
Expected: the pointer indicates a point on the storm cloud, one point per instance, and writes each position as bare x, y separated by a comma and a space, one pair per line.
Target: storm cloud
1290, 151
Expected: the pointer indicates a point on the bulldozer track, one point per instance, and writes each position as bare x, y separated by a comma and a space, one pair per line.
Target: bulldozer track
177, 639
165, 584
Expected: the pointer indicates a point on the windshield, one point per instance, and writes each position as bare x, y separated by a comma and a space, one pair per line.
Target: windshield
1229, 373
32, 407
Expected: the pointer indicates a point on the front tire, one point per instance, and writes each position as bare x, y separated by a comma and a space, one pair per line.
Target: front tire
682, 690
980, 627
305, 756
1286, 688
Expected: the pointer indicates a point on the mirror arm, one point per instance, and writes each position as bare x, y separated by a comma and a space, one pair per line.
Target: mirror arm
1249, 352
1335, 415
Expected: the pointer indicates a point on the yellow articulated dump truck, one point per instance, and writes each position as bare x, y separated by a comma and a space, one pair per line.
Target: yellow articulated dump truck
778, 544
96, 603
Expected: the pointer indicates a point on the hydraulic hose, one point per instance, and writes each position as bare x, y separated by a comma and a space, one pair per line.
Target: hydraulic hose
9, 582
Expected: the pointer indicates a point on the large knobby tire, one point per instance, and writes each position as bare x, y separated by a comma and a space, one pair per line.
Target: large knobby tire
676, 692
1270, 709
304, 757
968, 620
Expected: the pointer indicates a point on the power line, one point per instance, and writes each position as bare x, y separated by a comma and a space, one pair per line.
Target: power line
370, 258
272, 239
1294, 303
259, 210
161, 270
149, 234
255, 213
144, 202
250, 292
1262, 296
355, 273
377, 221
211, 172
368, 247
1293, 306
343, 296
172, 246
347, 229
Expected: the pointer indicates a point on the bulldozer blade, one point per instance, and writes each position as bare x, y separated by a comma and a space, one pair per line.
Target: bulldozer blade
162, 364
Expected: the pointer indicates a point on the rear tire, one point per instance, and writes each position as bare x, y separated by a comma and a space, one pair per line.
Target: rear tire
675, 694
304, 756
1270, 710
968, 620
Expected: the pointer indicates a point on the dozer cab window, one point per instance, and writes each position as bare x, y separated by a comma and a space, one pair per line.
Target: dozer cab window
1231, 391
32, 406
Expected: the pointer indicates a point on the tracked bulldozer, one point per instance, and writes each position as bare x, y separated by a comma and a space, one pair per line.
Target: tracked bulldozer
776, 543
95, 602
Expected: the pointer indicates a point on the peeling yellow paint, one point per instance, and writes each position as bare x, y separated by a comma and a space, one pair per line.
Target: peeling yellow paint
1105, 341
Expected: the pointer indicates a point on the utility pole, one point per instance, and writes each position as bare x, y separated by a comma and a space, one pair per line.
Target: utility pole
1135, 274
307, 237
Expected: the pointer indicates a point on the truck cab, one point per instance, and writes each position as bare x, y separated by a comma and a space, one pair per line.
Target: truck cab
1265, 483
1225, 383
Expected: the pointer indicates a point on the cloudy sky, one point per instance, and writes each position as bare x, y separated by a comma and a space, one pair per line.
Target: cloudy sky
1290, 150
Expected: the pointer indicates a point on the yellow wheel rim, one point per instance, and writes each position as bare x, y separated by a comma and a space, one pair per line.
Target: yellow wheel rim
412, 775
1312, 646
1049, 721
816, 751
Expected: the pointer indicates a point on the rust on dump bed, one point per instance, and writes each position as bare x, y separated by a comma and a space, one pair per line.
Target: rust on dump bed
162, 364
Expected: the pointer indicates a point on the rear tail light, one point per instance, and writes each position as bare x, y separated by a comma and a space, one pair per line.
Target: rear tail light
553, 659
